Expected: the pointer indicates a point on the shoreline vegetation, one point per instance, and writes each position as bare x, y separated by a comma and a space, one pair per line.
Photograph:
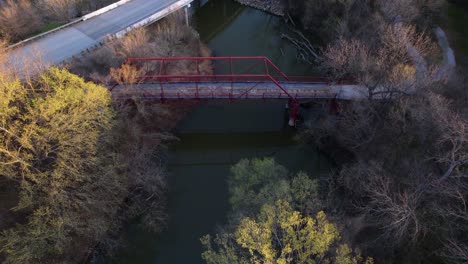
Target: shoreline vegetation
73, 192
399, 159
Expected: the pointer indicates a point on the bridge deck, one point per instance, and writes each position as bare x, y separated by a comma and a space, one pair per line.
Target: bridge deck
229, 90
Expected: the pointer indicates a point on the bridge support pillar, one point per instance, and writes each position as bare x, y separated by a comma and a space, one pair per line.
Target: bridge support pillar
334, 107
294, 106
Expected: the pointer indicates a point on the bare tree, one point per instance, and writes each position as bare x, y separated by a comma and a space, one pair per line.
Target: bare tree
61, 10
419, 12
394, 67
18, 19
455, 252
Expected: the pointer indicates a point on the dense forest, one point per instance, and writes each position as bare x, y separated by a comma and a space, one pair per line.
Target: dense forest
401, 179
77, 165
402, 152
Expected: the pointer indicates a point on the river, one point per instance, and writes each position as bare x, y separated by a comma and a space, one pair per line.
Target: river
458, 30
214, 137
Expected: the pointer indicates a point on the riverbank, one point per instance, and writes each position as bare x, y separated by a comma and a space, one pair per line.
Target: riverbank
147, 128
276, 7
387, 178
133, 151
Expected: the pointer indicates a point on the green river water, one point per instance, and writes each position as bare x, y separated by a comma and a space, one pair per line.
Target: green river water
458, 31
214, 137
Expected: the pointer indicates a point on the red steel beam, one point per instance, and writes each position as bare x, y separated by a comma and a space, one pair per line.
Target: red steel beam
232, 76
200, 58
194, 76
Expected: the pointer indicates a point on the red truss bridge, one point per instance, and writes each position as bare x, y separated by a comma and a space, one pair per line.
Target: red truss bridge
234, 79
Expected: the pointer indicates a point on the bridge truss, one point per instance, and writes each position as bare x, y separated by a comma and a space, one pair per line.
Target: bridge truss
179, 80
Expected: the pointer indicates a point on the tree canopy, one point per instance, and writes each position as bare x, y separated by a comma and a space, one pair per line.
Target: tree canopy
51, 142
262, 181
273, 220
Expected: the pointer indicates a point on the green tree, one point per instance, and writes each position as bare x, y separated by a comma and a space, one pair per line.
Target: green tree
273, 223
280, 235
262, 181
52, 138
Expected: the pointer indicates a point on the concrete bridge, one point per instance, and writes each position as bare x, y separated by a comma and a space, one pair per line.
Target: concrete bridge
91, 30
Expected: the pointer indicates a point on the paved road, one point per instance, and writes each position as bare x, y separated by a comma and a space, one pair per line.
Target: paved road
62, 45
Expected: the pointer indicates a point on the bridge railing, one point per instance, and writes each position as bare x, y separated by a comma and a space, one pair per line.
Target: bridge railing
219, 69
228, 78
218, 78
232, 66
197, 70
201, 73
